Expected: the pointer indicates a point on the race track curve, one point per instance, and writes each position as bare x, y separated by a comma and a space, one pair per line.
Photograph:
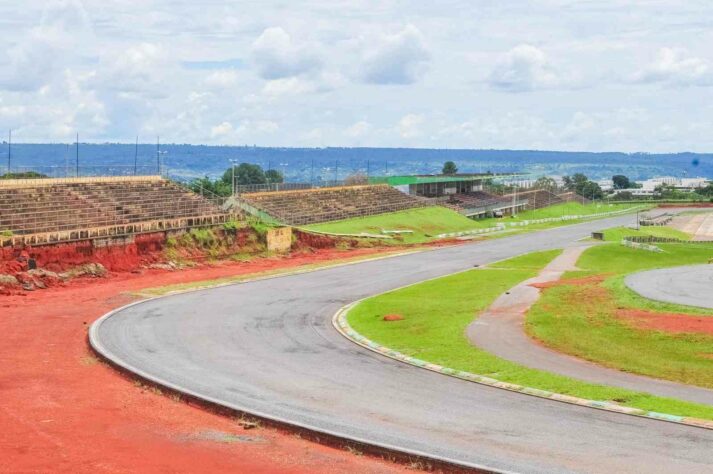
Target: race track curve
268, 347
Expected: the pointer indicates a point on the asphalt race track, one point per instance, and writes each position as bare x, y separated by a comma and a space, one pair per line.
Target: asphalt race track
689, 285
268, 347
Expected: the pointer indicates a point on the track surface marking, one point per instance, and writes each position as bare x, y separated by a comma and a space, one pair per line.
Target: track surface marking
268, 346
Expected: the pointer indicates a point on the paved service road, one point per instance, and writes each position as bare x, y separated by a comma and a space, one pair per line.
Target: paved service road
268, 347
690, 285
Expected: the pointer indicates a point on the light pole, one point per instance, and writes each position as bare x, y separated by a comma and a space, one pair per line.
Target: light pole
232, 168
9, 150
136, 154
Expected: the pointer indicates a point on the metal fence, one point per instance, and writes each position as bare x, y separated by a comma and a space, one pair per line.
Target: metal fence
82, 171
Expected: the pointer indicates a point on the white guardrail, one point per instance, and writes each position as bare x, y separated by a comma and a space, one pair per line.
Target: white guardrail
503, 226
640, 246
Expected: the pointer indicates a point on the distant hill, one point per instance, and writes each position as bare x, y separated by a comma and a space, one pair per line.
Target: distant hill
303, 164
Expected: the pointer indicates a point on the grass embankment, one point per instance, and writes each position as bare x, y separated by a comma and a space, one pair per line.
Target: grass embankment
618, 233
426, 223
601, 320
437, 313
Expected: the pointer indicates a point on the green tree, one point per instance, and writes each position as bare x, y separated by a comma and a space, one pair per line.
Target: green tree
546, 183
621, 182
245, 173
449, 168
707, 191
591, 190
23, 175
274, 176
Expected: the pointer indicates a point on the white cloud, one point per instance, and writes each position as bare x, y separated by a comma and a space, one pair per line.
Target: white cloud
677, 67
32, 61
358, 129
398, 58
525, 68
142, 70
222, 79
277, 56
221, 130
410, 125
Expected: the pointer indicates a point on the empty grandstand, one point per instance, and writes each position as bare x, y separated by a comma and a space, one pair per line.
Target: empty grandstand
313, 206
461, 192
53, 210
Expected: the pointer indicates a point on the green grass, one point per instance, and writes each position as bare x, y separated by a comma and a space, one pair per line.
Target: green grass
569, 208
581, 319
618, 233
426, 223
437, 313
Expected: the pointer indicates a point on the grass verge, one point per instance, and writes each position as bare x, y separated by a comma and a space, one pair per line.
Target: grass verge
426, 223
588, 320
437, 312
617, 234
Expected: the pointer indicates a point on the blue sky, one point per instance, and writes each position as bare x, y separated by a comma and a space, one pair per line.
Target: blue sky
587, 75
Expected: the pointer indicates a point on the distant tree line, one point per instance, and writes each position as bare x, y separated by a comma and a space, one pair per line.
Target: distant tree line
23, 175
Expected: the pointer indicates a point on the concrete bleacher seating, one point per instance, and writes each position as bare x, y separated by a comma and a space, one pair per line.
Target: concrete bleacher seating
474, 199
60, 205
329, 204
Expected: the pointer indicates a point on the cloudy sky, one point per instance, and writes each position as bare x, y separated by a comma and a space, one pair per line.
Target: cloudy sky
594, 75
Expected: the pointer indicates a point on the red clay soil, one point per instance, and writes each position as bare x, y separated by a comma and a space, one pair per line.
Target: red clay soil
393, 317
589, 280
61, 410
687, 204
674, 323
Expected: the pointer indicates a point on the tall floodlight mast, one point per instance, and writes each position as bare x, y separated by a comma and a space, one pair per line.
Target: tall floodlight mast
76, 171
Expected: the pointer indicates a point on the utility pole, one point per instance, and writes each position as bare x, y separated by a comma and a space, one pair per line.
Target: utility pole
77, 158
311, 174
232, 168
9, 150
336, 171
367, 170
158, 155
136, 154
386, 167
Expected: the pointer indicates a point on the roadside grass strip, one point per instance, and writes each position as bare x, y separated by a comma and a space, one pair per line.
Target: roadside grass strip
544, 220
605, 322
437, 222
617, 234
431, 335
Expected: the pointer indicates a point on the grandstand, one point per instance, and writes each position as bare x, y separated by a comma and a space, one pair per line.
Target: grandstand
312, 206
41, 211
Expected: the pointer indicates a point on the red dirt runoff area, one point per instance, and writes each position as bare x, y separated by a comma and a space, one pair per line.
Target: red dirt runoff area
62, 410
588, 280
668, 322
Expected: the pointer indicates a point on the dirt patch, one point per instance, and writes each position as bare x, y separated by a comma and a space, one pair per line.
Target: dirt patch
674, 323
63, 411
589, 280
393, 317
